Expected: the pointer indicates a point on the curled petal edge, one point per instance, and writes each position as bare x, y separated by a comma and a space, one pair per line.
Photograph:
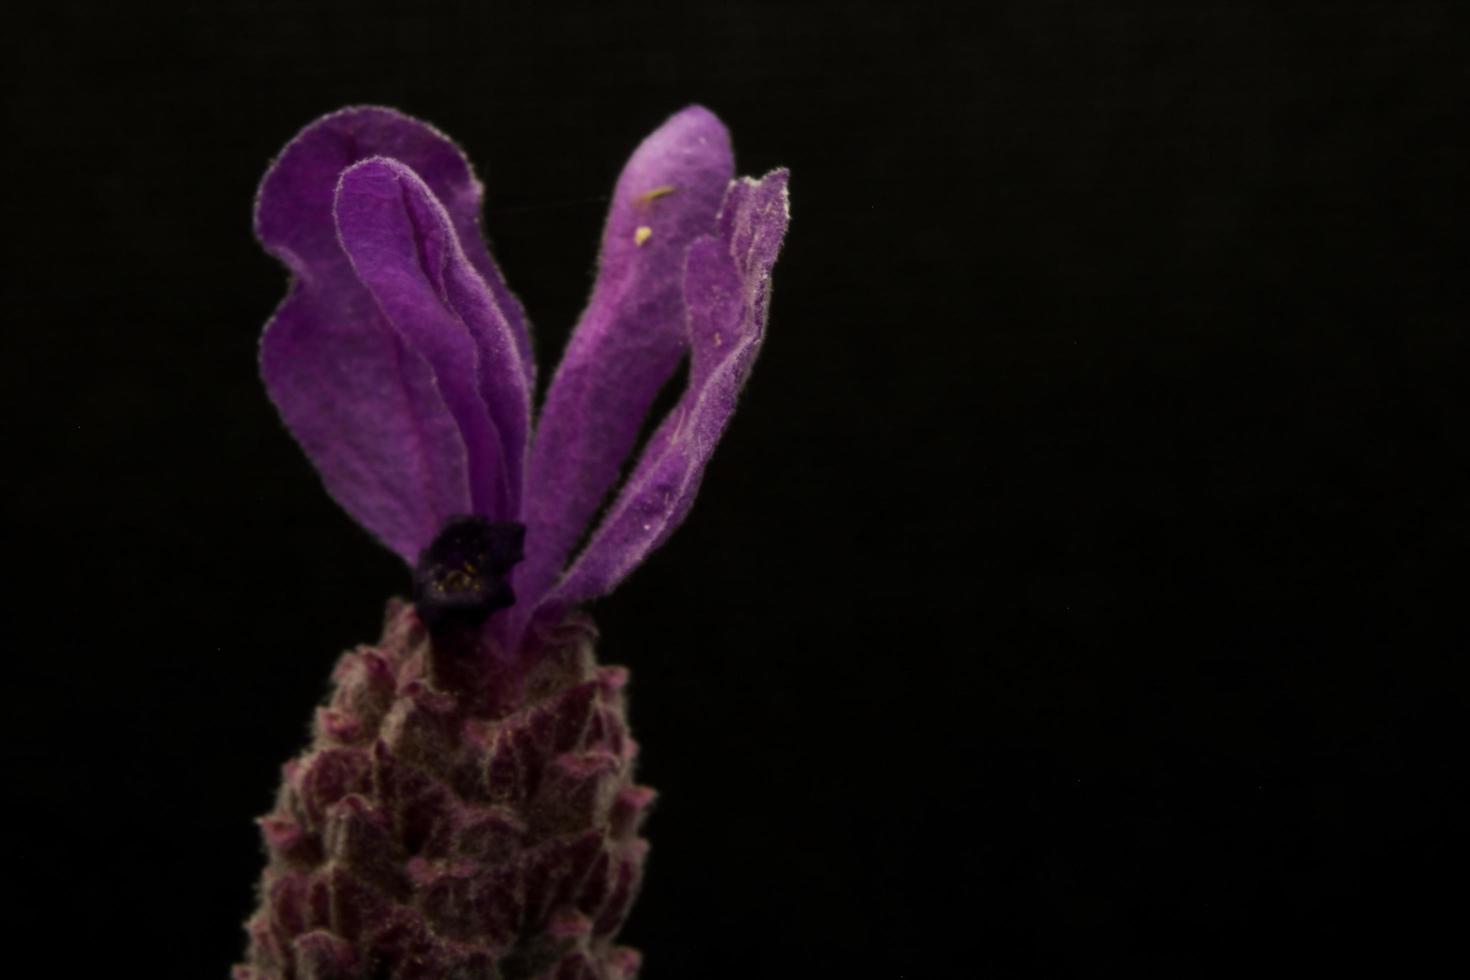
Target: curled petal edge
727, 293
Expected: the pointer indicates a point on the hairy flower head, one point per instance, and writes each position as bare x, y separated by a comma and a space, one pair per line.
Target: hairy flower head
467, 807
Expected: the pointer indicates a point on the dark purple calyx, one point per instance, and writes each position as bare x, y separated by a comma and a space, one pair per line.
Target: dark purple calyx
464, 575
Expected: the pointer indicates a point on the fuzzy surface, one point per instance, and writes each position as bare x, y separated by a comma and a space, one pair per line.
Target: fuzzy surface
401, 362
456, 819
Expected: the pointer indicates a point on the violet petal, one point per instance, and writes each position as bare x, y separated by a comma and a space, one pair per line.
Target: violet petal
630, 339
403, 248
293, 212
727, 290
366, 410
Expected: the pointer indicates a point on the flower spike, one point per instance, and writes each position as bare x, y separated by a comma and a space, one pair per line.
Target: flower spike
467, 806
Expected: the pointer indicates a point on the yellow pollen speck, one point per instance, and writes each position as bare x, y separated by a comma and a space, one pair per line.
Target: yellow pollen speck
642, 234
457, 581
653, 195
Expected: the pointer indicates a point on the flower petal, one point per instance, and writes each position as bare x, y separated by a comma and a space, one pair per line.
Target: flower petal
367, 412
727, 290
630, 339
403, 248
293, 214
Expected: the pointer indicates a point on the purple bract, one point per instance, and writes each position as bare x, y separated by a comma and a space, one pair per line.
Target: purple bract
402, 364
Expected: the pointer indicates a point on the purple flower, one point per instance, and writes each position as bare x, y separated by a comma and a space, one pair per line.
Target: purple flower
467, 807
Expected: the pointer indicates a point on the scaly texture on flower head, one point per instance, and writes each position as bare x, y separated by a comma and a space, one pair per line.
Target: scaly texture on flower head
467, 807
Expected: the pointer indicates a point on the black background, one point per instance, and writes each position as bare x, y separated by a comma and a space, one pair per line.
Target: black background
1075, 588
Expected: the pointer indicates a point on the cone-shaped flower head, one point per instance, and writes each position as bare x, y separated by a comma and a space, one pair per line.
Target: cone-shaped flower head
467, 807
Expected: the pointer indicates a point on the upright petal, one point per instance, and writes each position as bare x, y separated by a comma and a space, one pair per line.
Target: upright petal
727, 290
402, 245
367, 411
293, 215
630, 338
364, 406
